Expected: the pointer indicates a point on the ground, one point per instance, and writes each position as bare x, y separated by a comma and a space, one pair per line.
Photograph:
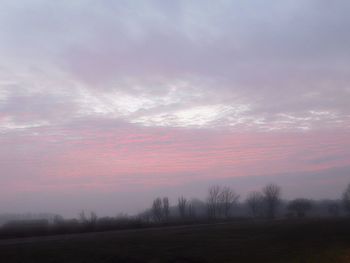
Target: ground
308, 241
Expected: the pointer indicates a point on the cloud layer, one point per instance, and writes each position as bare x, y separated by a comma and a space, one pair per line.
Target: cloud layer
169, 92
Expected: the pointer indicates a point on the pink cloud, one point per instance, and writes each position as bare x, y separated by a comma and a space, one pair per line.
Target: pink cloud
85, 159
157, 156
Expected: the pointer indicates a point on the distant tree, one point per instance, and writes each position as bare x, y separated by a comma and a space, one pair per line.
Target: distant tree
300, 207
255, 202
166, 209
82, 217
227, 199
213, 201
58, 220
157, 210
182, 206
346, 199
199, 208
93, 218
145, 216
333, 209
90, 220
272, 196
191, 210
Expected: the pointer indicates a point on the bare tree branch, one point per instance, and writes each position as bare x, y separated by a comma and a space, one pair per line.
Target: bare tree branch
213, 201
227, 199
254, 202
157, 210
272, 195
182, 206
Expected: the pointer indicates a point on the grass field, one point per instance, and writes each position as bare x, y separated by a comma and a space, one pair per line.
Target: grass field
311, 241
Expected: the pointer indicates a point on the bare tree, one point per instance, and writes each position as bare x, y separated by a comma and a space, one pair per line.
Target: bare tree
272, 196
157, 210
58, 220
227, 199
346, 199
89, 221
166, 209
213, 201
255, 202
93, 218
145, 216
191, 211
182, 206
82, 217
300, 206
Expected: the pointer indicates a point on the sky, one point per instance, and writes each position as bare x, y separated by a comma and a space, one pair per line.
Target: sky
105, 105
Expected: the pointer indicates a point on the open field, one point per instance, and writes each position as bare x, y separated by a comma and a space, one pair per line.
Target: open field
321, 241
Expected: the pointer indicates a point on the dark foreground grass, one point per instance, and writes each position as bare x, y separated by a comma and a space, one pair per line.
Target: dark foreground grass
319, 241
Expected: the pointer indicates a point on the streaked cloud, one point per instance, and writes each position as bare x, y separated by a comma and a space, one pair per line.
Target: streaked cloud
166, 92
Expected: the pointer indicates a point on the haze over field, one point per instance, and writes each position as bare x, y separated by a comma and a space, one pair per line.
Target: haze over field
105, 105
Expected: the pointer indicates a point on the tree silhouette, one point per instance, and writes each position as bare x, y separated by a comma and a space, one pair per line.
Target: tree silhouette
300, 206
93, 218
227, 199
213, 201
255, 202
82, 217
191, 210
157, 210
272, 195
182, 205
166, 209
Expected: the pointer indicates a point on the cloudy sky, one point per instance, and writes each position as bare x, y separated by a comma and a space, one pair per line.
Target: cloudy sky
107, 104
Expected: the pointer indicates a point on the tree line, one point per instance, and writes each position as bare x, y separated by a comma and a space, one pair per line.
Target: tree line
222, 201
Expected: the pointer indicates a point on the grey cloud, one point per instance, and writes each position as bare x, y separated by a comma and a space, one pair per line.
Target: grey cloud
79, 77
287, 57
